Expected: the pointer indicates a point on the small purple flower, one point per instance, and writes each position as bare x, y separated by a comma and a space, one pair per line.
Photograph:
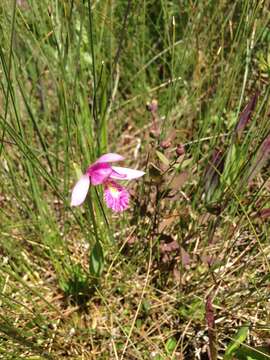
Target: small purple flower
102, 172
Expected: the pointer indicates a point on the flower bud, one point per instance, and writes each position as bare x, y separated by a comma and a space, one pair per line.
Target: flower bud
180, 150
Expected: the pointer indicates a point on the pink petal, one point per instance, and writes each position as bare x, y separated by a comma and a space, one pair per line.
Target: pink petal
129, 174
110, 157
116, 196
80, 190
99, 173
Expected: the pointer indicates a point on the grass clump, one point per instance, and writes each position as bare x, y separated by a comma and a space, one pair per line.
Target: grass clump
181, 89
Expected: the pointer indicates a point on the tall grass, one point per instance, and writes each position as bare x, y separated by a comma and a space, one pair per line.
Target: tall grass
75, 80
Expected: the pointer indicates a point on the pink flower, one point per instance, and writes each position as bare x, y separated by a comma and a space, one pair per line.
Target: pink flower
102, 172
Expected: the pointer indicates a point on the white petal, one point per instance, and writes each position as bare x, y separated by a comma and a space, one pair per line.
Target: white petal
110, 157
129, 173
80, 191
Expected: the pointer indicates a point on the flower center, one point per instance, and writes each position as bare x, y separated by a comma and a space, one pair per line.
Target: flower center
113, 191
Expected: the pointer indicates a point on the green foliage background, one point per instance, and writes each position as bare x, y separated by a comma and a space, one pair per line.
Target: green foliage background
75, 78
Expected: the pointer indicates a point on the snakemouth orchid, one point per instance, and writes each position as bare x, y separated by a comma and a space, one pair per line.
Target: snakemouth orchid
101, 172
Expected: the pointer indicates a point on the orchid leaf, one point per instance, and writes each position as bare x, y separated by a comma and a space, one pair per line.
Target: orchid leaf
163, 158
238, 339
96, 260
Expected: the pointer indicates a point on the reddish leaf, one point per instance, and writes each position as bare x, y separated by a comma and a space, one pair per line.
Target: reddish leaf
169, 247
179, 180
167, 222
212, 174
262, 156
185, 258
264, 213
246, 115
210, 320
